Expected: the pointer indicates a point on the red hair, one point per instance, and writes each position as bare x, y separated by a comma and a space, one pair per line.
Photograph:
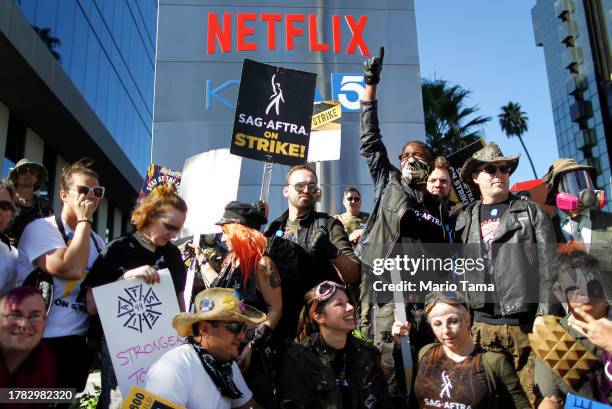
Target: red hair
16, 296
248, 245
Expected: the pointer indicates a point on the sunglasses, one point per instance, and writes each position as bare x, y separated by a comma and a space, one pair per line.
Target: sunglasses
492, 169
301, 186
353, 199
98, 191
234, 327
28, 169
7, 206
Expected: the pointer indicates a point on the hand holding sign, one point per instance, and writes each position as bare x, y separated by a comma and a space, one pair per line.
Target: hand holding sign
373, 67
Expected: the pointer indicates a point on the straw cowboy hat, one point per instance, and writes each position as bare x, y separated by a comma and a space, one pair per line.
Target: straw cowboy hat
489, 154
216, 304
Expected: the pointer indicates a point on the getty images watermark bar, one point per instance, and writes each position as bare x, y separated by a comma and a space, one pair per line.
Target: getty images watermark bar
36, 395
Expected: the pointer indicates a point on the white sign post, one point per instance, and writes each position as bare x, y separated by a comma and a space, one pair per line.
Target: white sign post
137, 322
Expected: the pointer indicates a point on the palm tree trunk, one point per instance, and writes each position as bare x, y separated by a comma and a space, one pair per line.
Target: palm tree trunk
535, 176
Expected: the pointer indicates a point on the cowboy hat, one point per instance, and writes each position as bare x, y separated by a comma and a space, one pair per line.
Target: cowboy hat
41, 177
216, 304
489, 154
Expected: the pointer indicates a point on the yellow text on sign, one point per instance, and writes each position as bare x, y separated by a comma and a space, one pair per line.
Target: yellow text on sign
270, 144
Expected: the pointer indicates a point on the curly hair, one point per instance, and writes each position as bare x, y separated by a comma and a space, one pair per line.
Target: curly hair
248, 245
155, 204
83, 166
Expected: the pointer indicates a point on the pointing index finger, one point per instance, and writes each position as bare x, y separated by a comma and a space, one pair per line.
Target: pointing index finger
381, 53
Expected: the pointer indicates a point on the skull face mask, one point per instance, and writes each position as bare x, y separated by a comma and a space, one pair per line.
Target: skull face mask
415, 171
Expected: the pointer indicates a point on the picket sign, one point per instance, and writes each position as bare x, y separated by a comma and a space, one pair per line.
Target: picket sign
137, 322
209, 182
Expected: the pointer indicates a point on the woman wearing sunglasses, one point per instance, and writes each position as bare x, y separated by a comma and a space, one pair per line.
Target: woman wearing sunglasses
580, 290
254, 276
328, 367
8, 253
158, 219
457, 373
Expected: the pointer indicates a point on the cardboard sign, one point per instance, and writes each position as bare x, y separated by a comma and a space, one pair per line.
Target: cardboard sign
139, 398
273, 113
210, 181
325, 135
462, 192
137, 322
158, 175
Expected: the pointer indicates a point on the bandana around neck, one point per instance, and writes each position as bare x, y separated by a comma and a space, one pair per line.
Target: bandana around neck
219, 372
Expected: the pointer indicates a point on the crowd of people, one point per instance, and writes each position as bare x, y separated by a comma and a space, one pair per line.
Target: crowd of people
288, 317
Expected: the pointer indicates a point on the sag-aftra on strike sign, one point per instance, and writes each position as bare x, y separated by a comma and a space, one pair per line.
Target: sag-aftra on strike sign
273, 113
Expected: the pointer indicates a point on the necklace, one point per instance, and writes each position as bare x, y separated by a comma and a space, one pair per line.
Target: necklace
145, 241
26, 202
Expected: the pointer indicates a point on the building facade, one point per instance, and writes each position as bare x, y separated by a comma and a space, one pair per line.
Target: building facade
77, 80
200, 50
576, 37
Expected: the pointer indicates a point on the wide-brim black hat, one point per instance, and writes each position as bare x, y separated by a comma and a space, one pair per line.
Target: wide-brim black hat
42, 177
243, 213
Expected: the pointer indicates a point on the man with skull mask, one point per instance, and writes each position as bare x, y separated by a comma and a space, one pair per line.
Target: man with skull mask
571, 188
405, 216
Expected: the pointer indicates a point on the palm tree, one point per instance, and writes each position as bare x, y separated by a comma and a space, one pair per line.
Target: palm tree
50, 41
514, 122
449, 124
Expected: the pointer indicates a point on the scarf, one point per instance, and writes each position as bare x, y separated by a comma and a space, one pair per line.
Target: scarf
219, 372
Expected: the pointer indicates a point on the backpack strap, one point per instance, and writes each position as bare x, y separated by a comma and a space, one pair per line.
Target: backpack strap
62, 230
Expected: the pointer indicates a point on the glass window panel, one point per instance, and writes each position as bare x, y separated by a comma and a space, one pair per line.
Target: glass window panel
28, 9
79, 51
65, 29
92, 64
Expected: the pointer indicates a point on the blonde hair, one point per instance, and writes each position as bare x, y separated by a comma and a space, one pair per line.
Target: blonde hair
155, 204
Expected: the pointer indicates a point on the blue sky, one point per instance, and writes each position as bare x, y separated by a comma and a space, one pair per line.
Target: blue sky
488, 47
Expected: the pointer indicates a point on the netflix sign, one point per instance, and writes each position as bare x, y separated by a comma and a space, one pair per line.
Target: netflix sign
238, 30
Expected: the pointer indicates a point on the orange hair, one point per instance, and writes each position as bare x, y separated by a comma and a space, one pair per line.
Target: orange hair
156, 204
569, 247
248, 245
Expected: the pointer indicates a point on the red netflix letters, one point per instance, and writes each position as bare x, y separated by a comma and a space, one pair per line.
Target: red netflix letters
220, 33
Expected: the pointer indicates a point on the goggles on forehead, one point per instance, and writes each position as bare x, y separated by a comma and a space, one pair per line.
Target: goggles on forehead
586, 280
447, 297
324, 292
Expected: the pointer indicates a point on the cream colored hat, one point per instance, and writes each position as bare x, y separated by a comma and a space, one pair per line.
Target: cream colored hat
216, 304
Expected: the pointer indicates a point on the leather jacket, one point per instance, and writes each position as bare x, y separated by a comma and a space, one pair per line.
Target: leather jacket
400, 212
523, 251
308, 380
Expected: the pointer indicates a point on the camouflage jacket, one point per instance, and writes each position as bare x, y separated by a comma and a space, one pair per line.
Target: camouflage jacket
308, 381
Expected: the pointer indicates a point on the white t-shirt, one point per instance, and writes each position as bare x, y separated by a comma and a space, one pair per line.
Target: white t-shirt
8, 268
67, 315
180, 377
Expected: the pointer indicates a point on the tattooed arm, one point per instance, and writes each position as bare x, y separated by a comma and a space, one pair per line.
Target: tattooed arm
269, 285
